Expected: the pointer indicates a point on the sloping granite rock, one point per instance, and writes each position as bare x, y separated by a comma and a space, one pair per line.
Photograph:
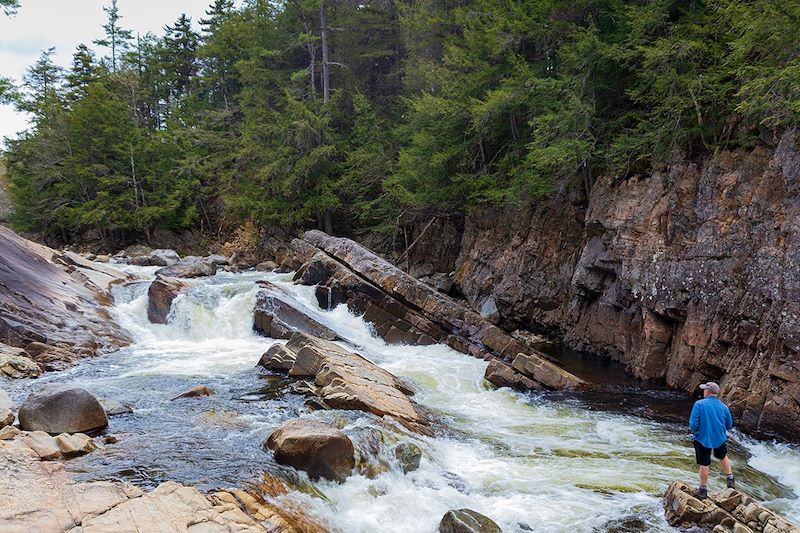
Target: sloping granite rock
55, 298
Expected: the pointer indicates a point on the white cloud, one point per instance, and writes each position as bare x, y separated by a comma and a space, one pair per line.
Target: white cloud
40, 24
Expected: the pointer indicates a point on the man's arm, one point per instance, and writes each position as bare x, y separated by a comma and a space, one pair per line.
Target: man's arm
729, 421
694, 420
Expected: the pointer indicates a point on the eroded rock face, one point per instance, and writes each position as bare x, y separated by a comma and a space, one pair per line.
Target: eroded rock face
313, 446
726, 511
500, 374
688, 275
55, 298
467, 521
346, 380
56, 408
278, 357
17, 363
160, 294
198, 391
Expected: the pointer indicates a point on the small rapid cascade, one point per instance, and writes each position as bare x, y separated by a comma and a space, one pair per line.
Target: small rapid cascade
532, 462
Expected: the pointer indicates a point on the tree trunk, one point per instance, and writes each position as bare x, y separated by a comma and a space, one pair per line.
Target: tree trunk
326, 82
328, 222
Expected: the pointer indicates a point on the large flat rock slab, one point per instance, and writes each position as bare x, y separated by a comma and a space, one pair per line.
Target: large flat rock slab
41, 497
55, 298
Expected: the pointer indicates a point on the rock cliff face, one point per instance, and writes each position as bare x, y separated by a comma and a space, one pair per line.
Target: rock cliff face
686, 275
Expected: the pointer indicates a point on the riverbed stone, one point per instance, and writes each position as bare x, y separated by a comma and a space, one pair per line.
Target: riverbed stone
197, 391
724, 511
9, 433
160, 295
546, 373
57, 408
42, 444
191, 267
313, 446
467, 521
75, 445
115, 407
278, 357
6, 417
408, 455
502, 375
267, 266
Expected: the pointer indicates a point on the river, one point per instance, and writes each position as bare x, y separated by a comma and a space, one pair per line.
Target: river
532, 462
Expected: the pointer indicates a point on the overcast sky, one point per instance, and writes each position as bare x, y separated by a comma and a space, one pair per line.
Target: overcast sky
40, 24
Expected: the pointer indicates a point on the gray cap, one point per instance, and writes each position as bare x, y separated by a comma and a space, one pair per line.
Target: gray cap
710, 387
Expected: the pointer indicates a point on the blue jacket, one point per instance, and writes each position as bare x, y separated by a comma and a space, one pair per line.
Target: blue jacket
710, 420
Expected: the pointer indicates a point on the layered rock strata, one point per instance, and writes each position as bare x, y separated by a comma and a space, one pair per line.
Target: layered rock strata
276, 315
346, 380
726, 511
687, 275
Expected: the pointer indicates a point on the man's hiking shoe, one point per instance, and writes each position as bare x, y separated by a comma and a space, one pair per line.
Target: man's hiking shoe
731, 483
700, 494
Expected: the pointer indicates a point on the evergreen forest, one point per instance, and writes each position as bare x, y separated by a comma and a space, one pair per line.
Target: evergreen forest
353, 115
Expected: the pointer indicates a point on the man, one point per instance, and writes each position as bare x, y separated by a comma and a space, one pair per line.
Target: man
710, 421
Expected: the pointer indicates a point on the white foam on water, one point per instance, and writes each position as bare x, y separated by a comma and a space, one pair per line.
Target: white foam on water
525, 462
782, 461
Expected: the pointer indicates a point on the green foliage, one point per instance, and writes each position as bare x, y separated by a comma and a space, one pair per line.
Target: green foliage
436, 106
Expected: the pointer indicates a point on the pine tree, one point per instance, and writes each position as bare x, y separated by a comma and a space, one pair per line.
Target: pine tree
117, 38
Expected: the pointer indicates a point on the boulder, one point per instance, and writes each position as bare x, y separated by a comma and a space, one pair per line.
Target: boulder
277, 315
9, 433
191, 267
502, 375
160, 294
135, 250
75, 445
17, 363
546, 373
408, 455
115, 407
313, 446
6, 417
267, 266
160, 257
56, 408
725, 511
467, 521
346, 380
277, 357
489, 311
195, 392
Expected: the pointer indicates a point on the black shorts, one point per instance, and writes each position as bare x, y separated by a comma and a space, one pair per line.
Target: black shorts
703, 454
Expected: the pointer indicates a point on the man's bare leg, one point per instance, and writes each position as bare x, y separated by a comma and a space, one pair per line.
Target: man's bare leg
703, 476
725, 463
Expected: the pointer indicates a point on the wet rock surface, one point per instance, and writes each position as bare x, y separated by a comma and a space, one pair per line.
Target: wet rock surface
404, 310
55, 298
198, 391
161, 293
276, 316
193, 267
346, 380
313, 446
467, 521
55, 408
725, 511
17, 363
